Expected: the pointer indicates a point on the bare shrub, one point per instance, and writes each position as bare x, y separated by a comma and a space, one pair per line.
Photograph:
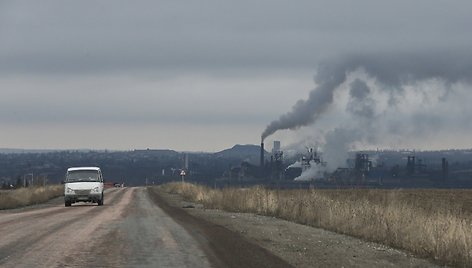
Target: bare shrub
430, 223
29, 196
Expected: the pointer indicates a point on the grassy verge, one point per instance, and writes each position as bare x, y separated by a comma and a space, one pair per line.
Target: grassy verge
429, 223
29, 196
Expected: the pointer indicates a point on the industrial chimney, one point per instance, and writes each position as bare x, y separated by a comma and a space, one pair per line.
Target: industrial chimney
262, 153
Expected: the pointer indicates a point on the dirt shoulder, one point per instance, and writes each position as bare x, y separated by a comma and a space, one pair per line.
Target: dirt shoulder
300, 245
222, 246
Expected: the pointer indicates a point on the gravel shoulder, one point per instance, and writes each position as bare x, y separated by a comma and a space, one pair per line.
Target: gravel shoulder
300, 245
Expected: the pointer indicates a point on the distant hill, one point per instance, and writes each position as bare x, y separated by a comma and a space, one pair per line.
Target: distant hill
24, 151
156, 152
248, 152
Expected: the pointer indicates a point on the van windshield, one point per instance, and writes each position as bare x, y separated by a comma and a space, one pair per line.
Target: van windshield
82, 175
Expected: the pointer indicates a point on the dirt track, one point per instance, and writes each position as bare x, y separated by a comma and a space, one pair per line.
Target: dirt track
130, 230
141, 228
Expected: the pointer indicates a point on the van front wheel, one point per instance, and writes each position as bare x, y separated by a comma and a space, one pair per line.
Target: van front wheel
100, 202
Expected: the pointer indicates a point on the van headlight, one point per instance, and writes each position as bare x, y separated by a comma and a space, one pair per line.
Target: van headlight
96, 190
69, 190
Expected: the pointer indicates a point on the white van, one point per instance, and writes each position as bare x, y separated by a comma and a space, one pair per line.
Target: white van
83, 184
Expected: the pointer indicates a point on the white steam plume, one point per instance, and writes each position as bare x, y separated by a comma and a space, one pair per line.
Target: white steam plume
392, 72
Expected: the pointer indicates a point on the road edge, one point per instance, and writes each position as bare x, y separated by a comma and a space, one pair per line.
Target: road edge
224, 248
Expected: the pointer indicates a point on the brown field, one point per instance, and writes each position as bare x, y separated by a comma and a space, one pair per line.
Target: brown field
29, 196
430, 223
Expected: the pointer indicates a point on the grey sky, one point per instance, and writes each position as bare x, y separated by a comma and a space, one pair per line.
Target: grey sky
192, 75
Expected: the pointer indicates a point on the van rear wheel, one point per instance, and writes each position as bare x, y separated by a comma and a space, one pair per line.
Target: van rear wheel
67, 204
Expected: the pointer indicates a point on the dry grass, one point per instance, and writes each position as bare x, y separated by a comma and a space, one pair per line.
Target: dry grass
29, 196
430, 223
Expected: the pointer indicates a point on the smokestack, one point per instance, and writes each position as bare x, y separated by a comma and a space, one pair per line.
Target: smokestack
262, 153
445, 169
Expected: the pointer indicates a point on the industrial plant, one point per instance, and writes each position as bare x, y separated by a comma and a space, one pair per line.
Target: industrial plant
245, 165
365, 169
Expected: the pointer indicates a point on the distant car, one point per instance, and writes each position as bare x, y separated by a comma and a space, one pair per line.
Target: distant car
83, 184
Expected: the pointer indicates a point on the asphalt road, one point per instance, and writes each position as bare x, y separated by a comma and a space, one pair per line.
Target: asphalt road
130, 230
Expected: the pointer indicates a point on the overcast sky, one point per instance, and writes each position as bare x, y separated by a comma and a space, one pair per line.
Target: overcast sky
204, 75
